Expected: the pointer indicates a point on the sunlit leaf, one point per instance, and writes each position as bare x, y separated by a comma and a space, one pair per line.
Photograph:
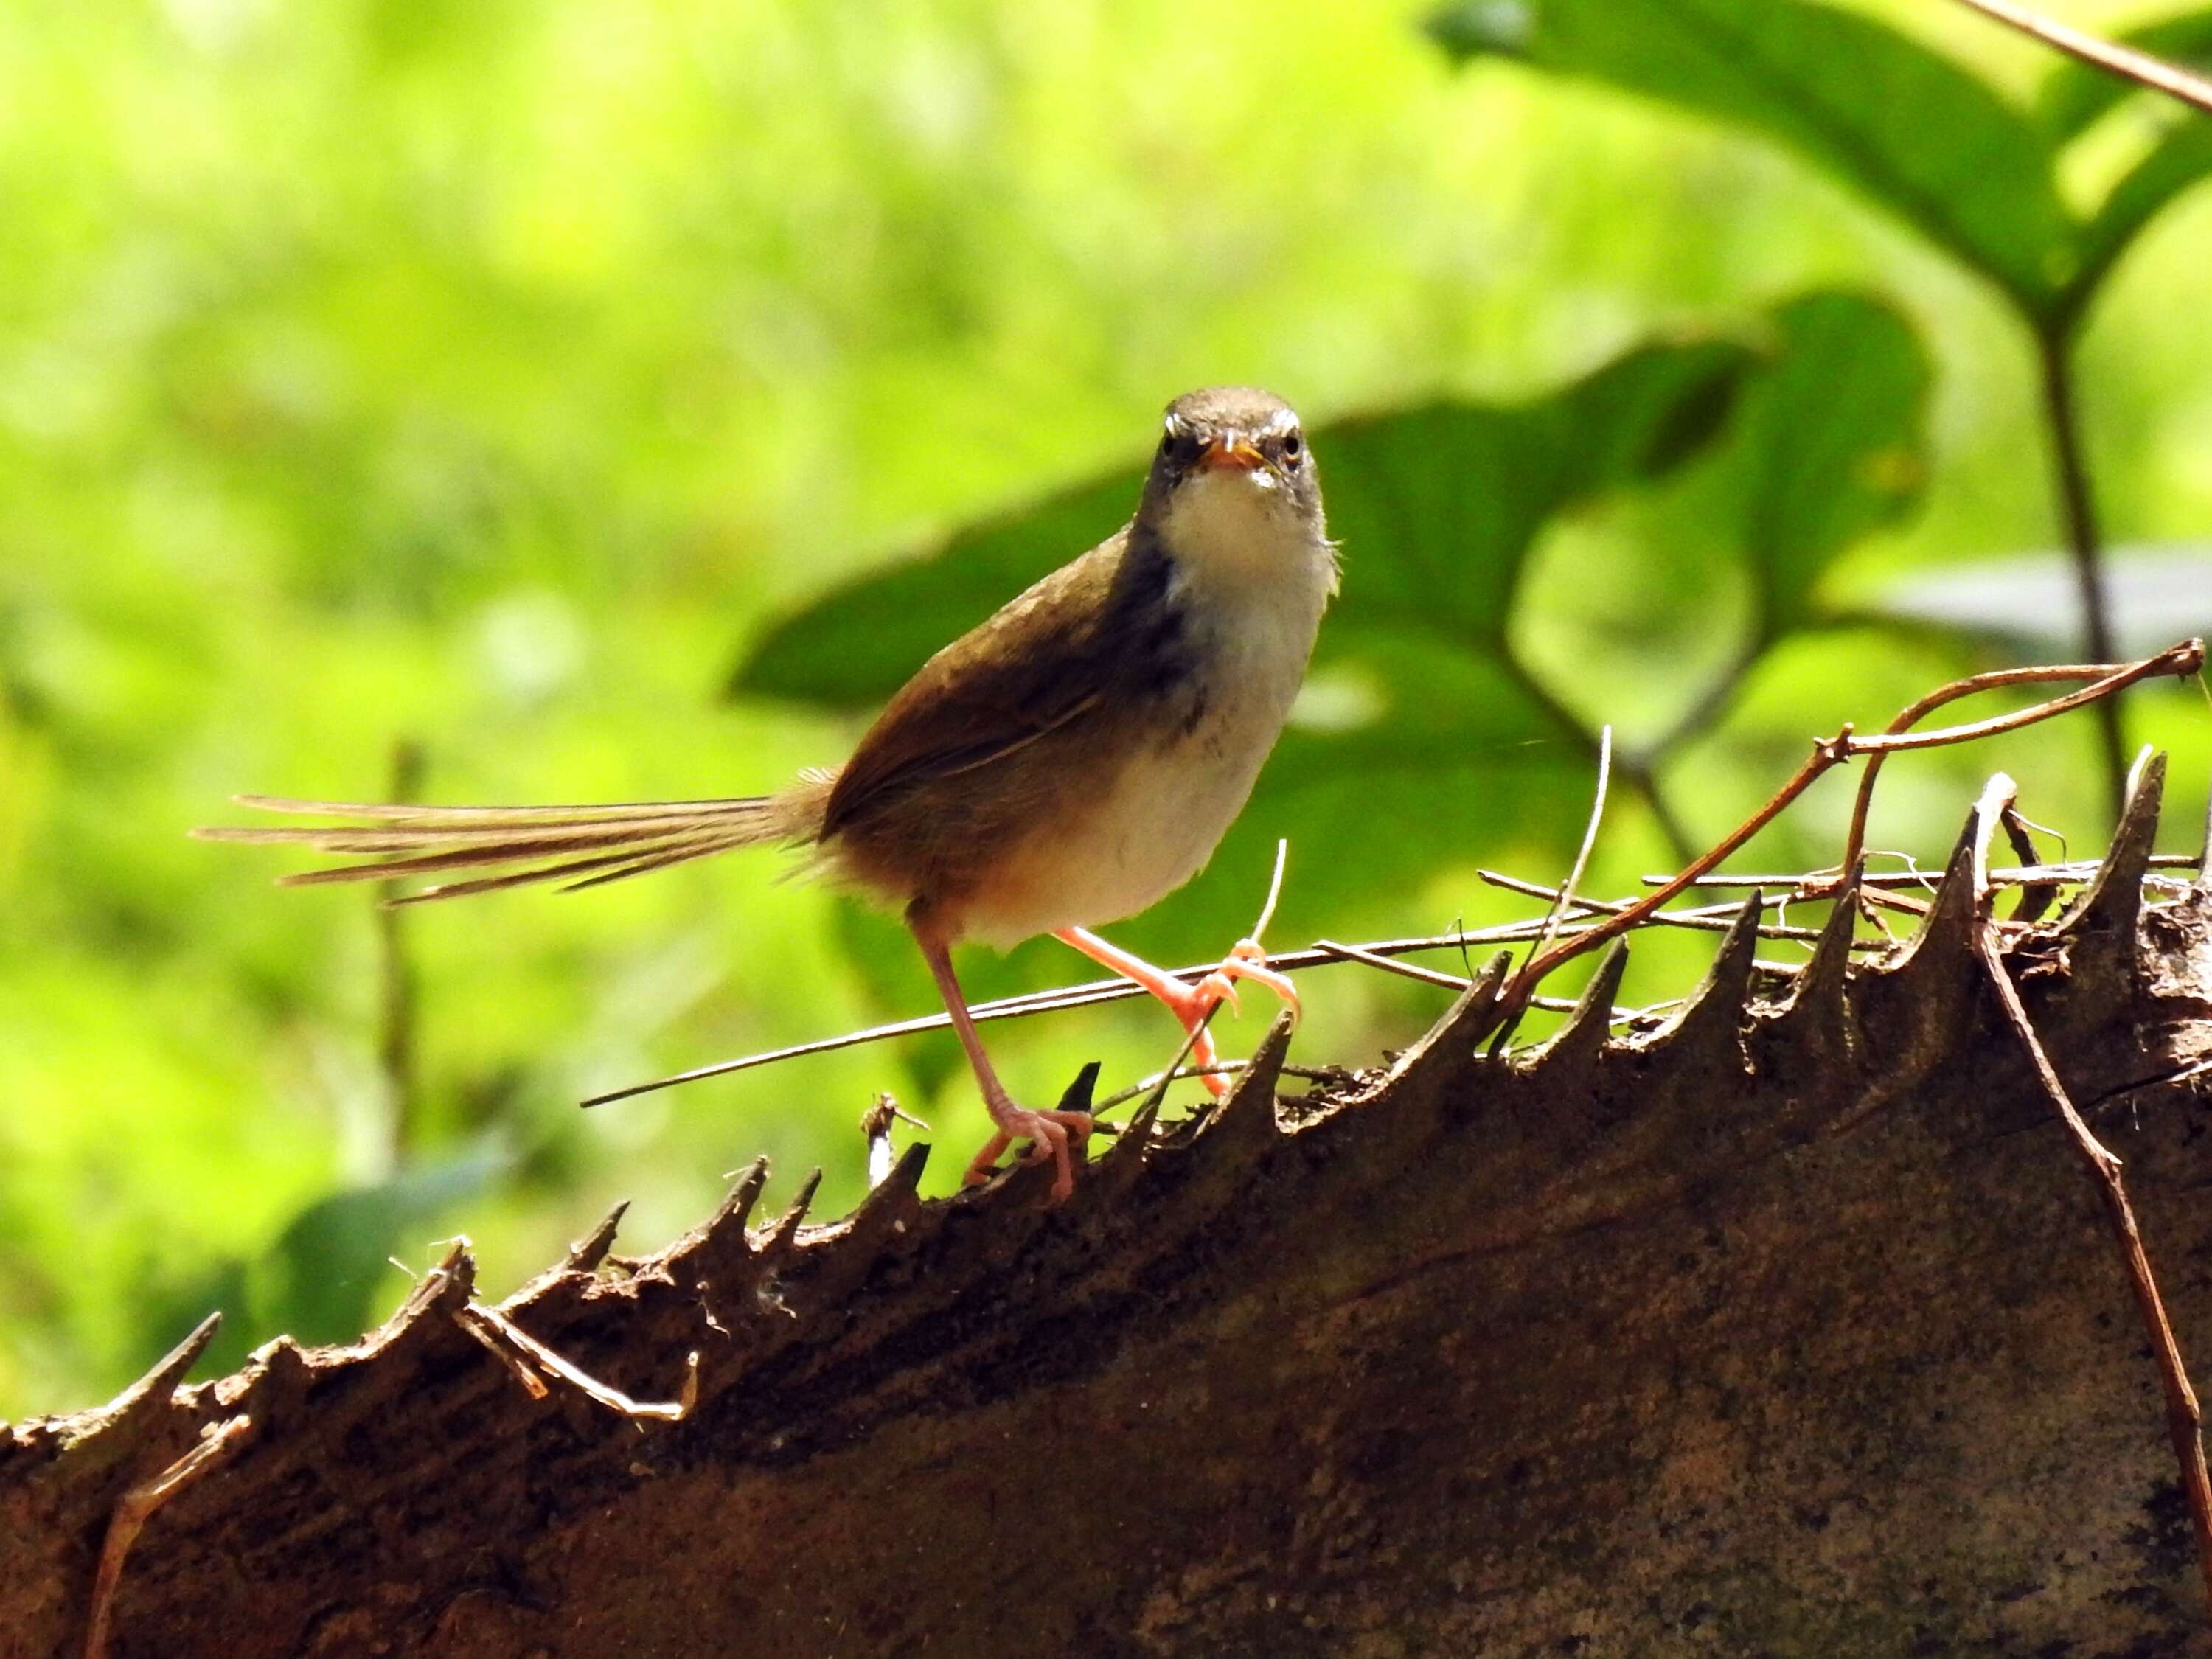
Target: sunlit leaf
2156, 594
858, 645
2075, 95
1438, 505
319, 1280
1913, 131
1832, 444
2181, 161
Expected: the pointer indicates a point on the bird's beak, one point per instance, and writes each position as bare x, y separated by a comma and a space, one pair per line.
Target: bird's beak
1230, 449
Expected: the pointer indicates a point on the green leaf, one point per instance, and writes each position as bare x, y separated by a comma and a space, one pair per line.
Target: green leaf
1453, 494
1830, 442
1908, 129
1437, 505
1372, 815
2156, 592
2075, 95
318, 1280
2183, 161
860, 644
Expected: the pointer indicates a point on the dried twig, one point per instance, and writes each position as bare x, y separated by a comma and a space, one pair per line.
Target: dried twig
1567, 893
2184, 1419
524, 1351
1094, 991
2036, 899
136, 1506
1274, 892
1403, 969
508, 1355
1709, 919
2125, 62
1457, 982
1158, 1090
1509, 1011
1807, 883
1862, 803
2182, 660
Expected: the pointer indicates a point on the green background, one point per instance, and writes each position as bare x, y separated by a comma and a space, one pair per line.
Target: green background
503, 379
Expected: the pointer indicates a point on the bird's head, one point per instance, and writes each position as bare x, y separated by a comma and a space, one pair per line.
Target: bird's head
1231, 482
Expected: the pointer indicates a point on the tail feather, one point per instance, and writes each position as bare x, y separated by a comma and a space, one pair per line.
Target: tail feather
609, 866
659, 861
475, 855
408, 811
618, 841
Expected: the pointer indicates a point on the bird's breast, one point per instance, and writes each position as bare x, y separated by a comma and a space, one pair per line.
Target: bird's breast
1146, 820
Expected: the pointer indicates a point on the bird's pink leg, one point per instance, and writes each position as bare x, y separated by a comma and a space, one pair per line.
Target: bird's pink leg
1047, 1133
1190, 1004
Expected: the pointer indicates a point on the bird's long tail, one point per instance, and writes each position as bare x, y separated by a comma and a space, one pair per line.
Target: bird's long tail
576, 846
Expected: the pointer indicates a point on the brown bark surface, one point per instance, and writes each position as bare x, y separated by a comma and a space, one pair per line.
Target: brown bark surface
1791, 1329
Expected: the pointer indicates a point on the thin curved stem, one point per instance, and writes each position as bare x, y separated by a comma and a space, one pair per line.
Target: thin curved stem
1855, 841
1706, 711
2185, 1418
2184, 659
2077, 510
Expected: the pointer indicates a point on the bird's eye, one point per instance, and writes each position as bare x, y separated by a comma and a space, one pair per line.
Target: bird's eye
1167, 444
1292, 448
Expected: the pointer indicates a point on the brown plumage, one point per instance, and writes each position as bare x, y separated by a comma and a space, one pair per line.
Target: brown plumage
1091, 644
1064, 763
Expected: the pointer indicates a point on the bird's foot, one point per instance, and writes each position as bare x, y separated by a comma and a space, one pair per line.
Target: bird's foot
1248, 959
1049, 1134
1193, 1005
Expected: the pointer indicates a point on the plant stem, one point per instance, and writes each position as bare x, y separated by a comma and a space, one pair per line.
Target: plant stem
2184, 1419
400, 991
2114, 59
1855, 842
1711, 703
2077, 510
1636, 774
2184, 659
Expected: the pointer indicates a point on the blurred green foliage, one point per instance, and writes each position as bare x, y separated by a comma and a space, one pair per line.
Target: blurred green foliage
492, 377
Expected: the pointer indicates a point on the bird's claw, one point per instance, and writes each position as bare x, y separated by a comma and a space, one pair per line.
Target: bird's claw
1217, 987
1248, 959
1049, 1134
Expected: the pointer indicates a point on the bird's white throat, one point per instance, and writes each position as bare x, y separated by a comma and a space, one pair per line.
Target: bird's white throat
1237, 535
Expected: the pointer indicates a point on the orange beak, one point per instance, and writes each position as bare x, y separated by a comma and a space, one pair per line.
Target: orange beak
1231, 450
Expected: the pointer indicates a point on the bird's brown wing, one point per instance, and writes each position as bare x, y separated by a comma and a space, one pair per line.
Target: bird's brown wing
1038, 664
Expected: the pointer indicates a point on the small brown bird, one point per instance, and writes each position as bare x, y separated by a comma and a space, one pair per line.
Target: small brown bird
1065, 764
